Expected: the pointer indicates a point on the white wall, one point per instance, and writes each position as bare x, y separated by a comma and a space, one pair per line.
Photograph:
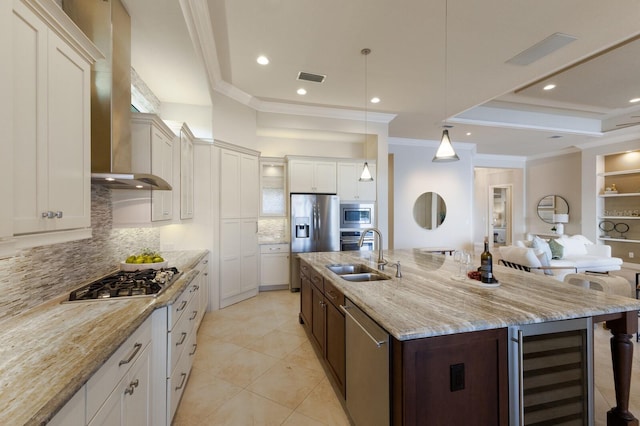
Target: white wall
197, 117
415, 173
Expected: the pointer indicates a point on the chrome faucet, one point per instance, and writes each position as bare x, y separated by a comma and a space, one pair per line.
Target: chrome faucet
381, 261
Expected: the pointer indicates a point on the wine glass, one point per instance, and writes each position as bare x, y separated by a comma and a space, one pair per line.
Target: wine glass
466, 261
457, 257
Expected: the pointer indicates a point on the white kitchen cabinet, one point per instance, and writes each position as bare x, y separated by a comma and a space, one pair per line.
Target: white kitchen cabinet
312, 176
72, 414
239, 184
238, 260
273, 199
174, 346
119, 392
51, 122
186, 173
349, 186
151, 152
274, 266
238, 223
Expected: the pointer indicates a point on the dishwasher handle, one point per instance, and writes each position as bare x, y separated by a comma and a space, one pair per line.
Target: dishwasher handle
378, 343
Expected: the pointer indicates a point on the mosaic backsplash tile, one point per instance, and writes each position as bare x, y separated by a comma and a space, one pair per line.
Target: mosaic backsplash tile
36, 275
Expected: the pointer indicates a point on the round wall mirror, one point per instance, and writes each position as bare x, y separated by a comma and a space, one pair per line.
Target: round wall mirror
429, 210
552, 205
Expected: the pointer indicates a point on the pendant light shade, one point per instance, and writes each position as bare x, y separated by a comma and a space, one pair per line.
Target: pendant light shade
365, 176
445, 151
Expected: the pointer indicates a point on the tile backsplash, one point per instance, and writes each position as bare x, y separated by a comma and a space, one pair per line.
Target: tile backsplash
39, 274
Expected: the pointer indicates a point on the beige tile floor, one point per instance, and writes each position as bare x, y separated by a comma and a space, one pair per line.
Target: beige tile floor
255, 366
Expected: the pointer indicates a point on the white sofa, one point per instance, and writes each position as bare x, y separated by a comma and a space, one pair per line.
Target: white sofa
561, 256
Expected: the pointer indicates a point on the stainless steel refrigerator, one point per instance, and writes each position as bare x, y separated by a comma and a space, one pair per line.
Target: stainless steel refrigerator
315, 226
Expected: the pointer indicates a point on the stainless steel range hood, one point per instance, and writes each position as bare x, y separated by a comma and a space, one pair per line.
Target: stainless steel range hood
108, 25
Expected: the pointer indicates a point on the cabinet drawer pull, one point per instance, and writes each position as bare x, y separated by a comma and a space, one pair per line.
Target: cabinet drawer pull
182, 305
183, 336
133, 354
195, 346
195, 314
184, 378
59, 214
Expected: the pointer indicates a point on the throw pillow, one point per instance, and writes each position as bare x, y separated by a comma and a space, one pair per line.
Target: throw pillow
557, 250
540, 244
544, 261
572, 247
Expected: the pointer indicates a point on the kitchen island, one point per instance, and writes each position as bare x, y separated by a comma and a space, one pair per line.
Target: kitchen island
428, 304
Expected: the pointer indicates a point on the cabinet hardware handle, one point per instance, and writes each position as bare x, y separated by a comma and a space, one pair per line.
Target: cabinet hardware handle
206, 274
205, 261
195, 346
182, 305
129, 390
184, 377
133, 354
183, 336
195, 314
134, 383
59, 214
48, 215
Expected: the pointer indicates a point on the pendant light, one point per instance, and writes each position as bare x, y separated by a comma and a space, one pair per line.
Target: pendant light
365, 176
445, 151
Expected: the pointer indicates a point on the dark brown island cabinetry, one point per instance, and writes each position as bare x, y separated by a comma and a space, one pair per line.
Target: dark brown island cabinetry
320, 312
458, 379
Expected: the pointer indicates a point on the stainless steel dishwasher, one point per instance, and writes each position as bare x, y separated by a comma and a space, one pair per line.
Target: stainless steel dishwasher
367, 365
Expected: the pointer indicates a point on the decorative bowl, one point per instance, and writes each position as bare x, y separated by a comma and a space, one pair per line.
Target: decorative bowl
124, 266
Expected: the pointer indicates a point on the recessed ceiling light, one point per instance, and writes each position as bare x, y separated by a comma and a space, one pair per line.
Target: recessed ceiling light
109, 179
375, 100
634, 100
468, 133
262, 60
139, 186
549, 87
301, 91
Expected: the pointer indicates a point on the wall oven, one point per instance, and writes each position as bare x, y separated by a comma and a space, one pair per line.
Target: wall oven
349, 240
357, 215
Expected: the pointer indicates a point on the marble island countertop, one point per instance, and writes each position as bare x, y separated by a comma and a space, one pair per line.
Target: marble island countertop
429, 301
49, 352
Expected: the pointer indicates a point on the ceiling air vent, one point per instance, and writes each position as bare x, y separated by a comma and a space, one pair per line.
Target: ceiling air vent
307, 76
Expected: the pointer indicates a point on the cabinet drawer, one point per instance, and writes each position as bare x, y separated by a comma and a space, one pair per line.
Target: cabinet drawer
177, 382
317, 280
274, 248
179, 335
333, 295
305, 269
179, 306
103, 382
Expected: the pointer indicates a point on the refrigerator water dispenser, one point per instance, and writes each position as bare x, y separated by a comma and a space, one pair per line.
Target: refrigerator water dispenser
302, 227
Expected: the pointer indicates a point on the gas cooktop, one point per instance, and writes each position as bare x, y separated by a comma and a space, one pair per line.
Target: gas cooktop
148, 282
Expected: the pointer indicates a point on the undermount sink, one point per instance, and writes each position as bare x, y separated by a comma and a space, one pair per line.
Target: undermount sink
365, 276
357, 272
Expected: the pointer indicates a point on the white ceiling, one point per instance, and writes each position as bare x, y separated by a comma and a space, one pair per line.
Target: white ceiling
500, 104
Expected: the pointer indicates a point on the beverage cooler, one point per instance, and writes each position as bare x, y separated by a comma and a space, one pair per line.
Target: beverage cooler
551, 373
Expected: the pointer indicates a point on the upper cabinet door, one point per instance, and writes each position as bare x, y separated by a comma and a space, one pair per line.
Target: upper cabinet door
51, 129
186, 174
250, 191
349, 186
239, 185
312, 176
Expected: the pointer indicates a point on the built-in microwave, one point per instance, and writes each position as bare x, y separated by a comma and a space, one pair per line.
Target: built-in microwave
357, 215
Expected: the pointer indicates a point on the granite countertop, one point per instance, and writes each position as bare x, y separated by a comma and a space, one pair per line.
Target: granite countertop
49, 352
428, 301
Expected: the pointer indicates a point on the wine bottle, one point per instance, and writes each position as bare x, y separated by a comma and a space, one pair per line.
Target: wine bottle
486, 263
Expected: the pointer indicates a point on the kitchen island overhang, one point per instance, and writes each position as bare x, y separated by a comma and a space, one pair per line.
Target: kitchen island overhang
428, 302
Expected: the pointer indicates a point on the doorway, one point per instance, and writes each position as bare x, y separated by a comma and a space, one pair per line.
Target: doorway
500, 214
